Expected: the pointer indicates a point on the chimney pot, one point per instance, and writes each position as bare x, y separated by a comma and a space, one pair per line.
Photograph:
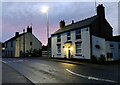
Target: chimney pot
16, 34
29, 29
62, 23
72, 21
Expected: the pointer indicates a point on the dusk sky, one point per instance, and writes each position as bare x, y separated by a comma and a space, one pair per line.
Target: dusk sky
17, 15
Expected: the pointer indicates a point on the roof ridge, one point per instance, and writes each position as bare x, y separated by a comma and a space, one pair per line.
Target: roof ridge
81, 20
15, 37
76, 25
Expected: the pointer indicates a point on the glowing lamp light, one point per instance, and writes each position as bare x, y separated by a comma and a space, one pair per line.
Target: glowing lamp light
3, 48
71, 48
66, 49
44, 9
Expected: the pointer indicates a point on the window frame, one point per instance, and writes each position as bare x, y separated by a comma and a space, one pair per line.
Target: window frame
68, 36
11, 43
118, 46
78, 34
59, 49
78, 49
31, 43
6, 44
58, 38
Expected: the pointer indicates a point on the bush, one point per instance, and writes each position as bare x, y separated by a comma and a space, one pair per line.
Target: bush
93, 59
102, 59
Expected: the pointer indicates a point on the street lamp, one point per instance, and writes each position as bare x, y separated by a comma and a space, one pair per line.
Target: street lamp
45, 10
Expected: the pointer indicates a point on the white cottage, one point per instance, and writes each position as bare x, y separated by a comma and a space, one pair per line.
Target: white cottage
22, 45
84, 39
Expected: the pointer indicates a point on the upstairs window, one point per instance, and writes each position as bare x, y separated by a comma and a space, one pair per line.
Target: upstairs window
58, 38
6, 44
11, 53
11, 43
68, 35
30, 43
78, 34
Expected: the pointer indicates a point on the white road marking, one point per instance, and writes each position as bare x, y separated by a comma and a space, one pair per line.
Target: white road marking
14, 61
9, 61
90, 77
3, 61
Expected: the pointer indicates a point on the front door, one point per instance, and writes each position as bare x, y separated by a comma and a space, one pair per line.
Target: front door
68, 50
69, 55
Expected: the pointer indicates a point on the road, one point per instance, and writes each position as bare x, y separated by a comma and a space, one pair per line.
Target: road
49, 71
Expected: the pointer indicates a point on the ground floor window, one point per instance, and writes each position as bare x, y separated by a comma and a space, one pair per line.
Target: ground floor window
119, 46
59, 48
78, 49
11, 54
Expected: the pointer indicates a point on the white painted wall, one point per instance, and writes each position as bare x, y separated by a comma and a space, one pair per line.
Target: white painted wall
36, 44
54, 46
18, 44
86, 49
101, 42
8, 49
108, 49
73, 52
17, 47
115, 50
85, 44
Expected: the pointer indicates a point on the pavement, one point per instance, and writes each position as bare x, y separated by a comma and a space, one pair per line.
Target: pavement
12, 77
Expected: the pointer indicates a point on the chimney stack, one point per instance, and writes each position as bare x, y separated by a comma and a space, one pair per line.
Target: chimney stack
72, 21
62, 23
101, 11
16, 34
29, 29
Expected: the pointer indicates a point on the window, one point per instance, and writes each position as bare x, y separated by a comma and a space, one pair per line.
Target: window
68, 35
78, 34
111, 45
58, 38
59, 48
11, 43
30, 43
78, 48
8, 54
6, 45
5, 53
11, 53
119, 46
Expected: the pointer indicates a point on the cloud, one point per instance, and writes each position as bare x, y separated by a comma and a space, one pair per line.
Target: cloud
17, 15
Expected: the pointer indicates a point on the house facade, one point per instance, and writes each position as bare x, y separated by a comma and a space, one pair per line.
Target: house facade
84, 39
115, 47
22, 45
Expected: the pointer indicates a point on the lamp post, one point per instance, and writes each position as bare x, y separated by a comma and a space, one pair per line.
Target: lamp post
45, 10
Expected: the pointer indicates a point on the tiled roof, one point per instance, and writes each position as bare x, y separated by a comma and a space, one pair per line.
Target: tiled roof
15, 37
116, 38
76, 25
